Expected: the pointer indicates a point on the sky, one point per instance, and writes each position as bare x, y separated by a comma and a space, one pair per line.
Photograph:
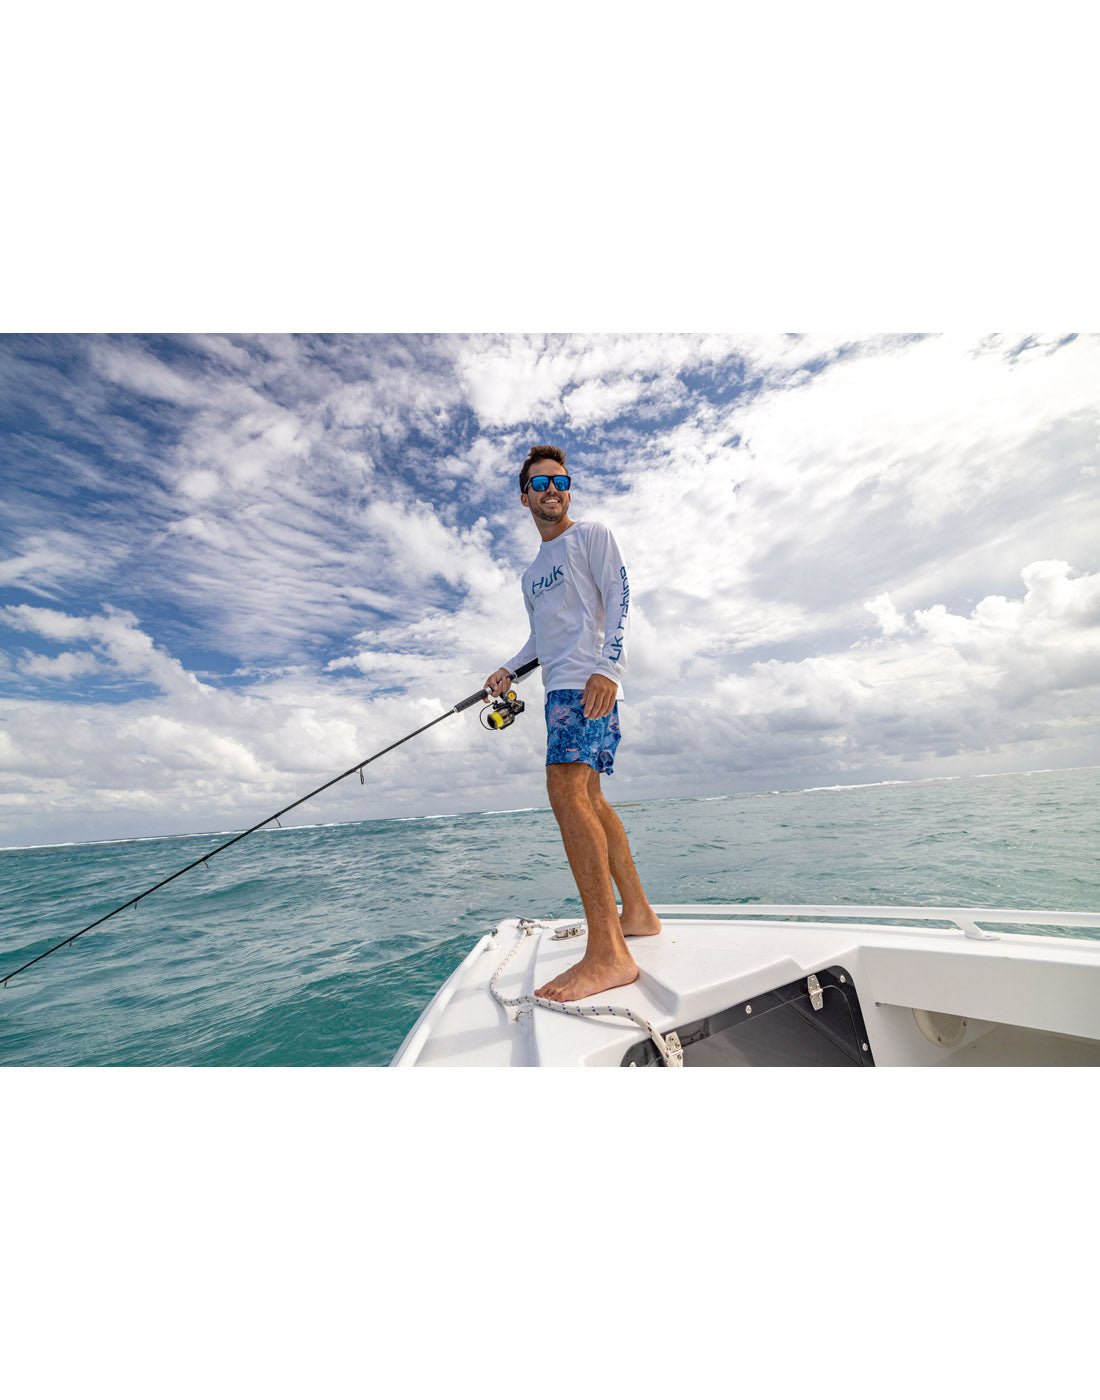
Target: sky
233, 566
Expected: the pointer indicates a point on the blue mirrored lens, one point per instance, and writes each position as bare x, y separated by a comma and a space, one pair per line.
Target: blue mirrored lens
540, 483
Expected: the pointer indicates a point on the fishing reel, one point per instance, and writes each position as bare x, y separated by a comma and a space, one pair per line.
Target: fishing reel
503, 711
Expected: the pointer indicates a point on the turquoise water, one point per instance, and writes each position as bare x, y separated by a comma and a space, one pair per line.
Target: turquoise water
321, 945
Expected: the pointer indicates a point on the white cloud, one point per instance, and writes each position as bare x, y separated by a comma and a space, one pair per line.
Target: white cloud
200, 484
955, 685
66, 666
864, 479
596, 400
512, 384
1044, 643
518, 379
181, 747
885, 614
112, 635
48, 559
137, 370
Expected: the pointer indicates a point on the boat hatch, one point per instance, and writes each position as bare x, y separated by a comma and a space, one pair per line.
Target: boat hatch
814, 1021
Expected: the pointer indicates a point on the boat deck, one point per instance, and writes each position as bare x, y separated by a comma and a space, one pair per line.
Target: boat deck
1025, 997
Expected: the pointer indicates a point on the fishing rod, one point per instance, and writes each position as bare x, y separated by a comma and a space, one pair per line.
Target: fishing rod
504, 711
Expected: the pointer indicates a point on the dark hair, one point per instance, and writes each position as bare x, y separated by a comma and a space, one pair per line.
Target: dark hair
539, 454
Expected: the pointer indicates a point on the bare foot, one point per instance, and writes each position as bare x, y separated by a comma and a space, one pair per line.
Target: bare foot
643, 926
589, 976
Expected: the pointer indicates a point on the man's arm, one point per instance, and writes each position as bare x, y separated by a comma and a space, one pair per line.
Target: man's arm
609, 570
500, 681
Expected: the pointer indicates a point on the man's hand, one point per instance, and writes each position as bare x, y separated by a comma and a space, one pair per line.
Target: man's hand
499, 683
599, 696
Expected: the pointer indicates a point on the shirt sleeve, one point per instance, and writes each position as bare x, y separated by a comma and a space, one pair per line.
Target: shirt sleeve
609, 570
528, 651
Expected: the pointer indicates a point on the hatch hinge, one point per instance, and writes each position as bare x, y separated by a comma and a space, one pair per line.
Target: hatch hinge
817, 996
675, 1056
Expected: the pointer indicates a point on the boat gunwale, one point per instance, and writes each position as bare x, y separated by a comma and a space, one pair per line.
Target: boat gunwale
959, 916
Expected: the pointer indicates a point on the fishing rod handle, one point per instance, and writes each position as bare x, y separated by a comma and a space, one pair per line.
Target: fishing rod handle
482, 694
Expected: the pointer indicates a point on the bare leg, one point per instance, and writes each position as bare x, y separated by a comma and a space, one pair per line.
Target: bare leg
607, 961
637, 919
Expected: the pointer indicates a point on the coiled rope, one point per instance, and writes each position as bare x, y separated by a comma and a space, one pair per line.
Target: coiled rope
669, 1055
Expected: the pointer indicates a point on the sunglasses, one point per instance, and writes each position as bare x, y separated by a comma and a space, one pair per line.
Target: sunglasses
540, 483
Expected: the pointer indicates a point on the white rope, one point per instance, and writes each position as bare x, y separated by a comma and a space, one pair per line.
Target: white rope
528, 1003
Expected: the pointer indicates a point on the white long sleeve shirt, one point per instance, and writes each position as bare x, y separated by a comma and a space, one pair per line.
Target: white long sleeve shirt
577, 597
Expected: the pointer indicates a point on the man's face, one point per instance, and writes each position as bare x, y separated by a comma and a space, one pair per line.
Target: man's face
549, 505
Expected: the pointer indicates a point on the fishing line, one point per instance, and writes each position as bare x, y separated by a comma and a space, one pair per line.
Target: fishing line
355, 768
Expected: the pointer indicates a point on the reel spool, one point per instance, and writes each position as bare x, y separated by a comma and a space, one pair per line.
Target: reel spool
503, 712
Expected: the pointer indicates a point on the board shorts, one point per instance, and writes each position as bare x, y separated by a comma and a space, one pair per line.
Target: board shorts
570, 738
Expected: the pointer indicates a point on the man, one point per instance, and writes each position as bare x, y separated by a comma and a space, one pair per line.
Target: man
578, 597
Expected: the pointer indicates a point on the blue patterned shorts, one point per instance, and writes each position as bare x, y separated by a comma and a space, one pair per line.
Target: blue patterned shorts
570, 738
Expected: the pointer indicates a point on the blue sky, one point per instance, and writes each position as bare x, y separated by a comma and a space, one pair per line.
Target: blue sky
233, 565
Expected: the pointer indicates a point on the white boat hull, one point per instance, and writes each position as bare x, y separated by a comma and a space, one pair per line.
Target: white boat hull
892, 990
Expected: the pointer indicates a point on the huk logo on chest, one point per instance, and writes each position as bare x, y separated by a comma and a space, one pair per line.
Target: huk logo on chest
548, 581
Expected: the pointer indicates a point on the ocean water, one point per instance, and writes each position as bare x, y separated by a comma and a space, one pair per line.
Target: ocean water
321, 945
